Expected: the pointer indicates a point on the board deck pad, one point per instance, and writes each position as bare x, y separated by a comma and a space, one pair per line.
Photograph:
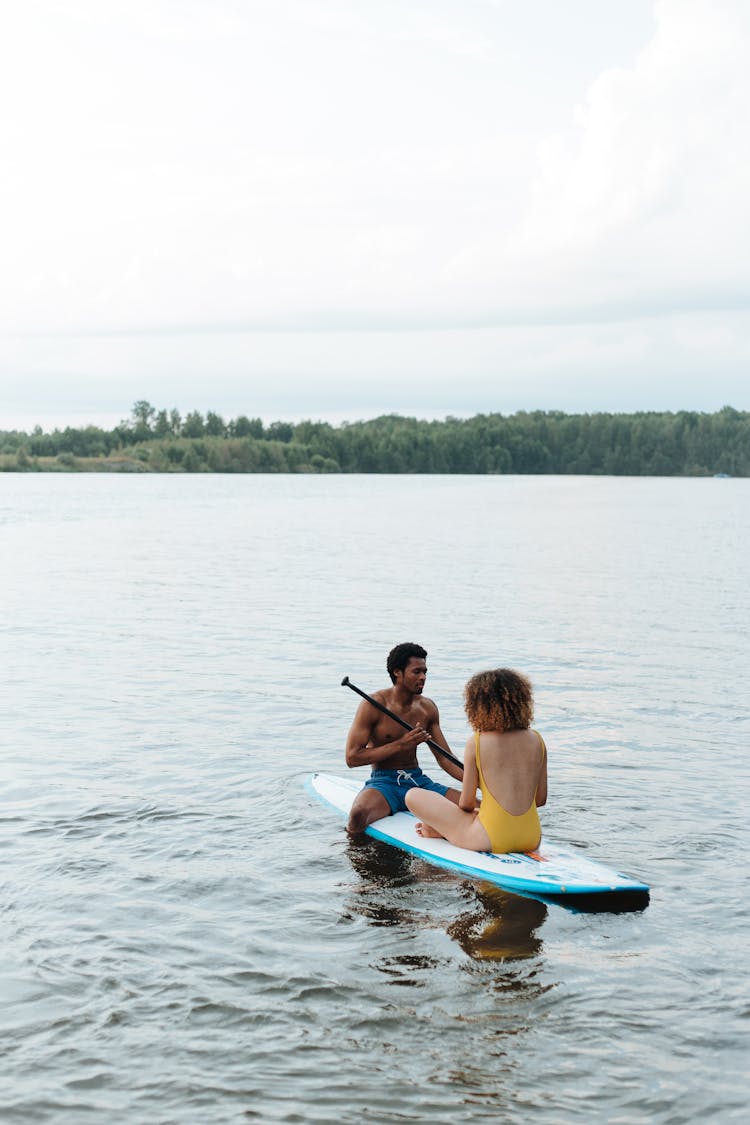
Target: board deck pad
550, 870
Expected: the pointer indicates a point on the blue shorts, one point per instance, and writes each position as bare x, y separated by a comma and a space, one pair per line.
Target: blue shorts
395, 784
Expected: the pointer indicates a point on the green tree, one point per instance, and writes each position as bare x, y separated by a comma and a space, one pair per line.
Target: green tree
246, 427
142, 413
192, 462
162, 427
215, 425
193, 426
281, 431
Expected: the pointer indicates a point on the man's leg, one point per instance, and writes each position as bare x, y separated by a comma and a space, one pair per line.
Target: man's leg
430, 786
369, 805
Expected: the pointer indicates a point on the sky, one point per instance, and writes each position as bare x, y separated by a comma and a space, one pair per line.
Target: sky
335, 209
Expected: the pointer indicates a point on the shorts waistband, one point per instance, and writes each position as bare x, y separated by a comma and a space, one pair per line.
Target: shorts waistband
416, 772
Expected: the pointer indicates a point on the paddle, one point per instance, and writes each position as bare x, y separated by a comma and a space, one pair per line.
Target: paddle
346, 682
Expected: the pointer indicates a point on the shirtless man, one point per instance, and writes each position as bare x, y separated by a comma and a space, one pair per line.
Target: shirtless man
375, 740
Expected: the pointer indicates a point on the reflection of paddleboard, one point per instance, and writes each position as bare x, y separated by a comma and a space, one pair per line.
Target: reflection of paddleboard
552, 870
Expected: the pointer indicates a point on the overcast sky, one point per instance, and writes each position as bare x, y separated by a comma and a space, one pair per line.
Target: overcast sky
341, 208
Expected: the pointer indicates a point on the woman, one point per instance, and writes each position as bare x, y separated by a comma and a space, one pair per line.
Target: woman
506, 760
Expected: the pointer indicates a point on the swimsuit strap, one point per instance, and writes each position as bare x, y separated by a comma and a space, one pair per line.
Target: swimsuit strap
482, 782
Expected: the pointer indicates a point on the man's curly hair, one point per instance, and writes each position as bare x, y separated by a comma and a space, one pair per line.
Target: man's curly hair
400, 656
499, 700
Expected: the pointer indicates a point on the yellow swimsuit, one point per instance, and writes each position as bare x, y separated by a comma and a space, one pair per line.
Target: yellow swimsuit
508, 833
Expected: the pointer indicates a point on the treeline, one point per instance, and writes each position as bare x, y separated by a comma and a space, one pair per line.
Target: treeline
685, 443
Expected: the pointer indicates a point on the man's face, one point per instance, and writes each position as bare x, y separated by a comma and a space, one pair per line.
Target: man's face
414, 675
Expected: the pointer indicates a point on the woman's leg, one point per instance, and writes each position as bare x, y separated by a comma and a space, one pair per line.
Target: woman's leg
454, 824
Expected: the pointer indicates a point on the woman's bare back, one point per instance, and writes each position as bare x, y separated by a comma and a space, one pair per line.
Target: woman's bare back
513, 765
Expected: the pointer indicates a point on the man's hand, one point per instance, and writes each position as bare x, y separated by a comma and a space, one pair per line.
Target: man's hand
413, 738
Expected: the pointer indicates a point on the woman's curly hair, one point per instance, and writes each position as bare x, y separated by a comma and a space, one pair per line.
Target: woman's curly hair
499, 700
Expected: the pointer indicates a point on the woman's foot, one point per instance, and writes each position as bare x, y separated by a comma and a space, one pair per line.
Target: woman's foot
427, 831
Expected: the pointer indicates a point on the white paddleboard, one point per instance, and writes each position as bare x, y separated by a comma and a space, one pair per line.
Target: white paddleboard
550, 870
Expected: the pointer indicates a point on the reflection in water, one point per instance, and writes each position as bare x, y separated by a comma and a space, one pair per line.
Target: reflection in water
497, 930
386, 874
409, 970
502, 926
499, 927
379, 863
381, 868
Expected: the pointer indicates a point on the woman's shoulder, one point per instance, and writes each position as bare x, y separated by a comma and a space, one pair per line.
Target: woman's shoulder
489, 738
523, 738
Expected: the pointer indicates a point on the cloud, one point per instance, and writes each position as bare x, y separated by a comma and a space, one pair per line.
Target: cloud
225, 167
257, 163
639, 205
696, 361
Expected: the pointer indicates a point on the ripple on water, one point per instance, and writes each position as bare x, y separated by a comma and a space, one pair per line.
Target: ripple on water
188, 936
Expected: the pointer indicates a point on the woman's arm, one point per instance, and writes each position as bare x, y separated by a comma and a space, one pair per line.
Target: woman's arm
468, 799
541, 789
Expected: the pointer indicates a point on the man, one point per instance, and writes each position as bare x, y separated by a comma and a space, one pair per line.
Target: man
376, 740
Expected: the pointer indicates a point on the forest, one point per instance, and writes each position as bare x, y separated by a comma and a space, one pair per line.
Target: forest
683, 443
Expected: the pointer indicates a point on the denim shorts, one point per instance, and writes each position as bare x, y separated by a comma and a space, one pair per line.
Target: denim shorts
395, 784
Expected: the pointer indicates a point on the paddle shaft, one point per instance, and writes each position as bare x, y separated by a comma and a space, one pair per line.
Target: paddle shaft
346, 682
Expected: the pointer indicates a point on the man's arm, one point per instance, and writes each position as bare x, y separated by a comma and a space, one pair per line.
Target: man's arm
437, 736
360, 752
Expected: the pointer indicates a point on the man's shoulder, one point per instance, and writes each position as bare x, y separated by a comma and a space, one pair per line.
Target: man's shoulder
378, 700
385, 696
429, 704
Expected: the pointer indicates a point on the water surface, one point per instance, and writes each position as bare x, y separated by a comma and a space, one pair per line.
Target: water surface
189, 937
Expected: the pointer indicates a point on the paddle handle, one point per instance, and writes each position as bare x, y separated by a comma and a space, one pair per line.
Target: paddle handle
346, 682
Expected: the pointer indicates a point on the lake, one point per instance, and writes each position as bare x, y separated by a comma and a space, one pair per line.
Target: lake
188, 936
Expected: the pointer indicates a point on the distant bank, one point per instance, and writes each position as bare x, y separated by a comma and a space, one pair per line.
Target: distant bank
685, 443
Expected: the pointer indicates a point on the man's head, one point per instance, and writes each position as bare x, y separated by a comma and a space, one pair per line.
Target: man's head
400, 656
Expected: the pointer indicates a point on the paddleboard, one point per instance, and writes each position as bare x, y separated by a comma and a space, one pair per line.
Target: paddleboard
552, 870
